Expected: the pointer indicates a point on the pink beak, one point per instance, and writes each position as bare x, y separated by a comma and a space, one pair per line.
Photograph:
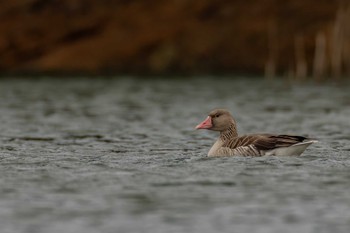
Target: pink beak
206, 124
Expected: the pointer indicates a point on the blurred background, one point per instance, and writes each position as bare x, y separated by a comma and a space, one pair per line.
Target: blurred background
265, 37
107, 150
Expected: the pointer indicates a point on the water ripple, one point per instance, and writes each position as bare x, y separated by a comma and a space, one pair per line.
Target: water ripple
96, 155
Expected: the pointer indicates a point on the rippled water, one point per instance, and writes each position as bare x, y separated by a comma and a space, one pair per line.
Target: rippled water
120, 155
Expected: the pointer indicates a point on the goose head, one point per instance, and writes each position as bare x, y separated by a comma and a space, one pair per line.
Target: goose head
217, 120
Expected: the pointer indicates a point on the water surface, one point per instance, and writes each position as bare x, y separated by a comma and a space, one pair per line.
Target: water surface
121, 155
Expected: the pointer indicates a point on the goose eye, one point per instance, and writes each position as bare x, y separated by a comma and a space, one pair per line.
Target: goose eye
217, 115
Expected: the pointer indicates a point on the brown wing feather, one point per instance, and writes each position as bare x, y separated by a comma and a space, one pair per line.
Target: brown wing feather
276, 141
264, 141
241, 141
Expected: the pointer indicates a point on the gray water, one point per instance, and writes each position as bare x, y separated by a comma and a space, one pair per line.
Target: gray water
121, 155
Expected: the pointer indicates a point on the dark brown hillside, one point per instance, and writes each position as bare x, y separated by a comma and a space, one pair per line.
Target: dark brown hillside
162, 36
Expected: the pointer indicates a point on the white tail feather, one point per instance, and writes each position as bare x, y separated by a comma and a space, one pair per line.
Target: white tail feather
294, 150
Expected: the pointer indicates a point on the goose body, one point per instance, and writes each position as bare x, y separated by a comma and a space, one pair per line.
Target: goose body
230, 144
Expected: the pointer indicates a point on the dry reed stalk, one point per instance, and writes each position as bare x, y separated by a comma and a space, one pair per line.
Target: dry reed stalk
290, 72
270, 66
300, 61
346, 50
347, 57
319, 64
337, 44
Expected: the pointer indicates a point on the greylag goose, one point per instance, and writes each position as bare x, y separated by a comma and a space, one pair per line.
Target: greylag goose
230, 144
